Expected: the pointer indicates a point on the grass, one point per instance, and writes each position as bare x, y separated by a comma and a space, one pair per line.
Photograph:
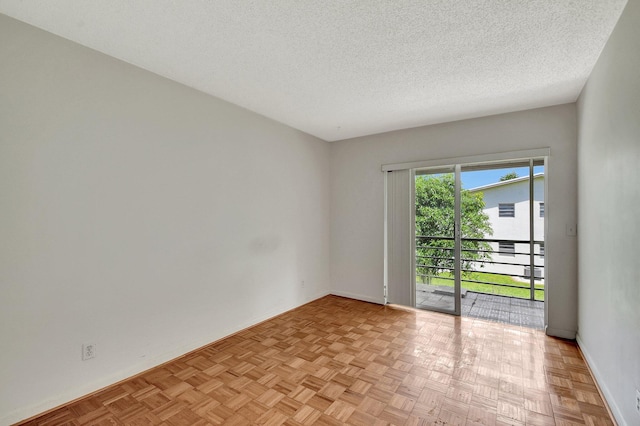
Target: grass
522, 293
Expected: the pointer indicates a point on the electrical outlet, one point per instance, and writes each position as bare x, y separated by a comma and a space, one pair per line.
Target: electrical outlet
638, 401
88, 351
302, 284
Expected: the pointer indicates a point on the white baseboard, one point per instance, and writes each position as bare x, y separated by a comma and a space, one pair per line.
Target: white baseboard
563, 334
377, 301
601, 383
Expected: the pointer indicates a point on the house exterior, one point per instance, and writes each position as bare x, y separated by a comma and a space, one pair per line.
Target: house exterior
507, 205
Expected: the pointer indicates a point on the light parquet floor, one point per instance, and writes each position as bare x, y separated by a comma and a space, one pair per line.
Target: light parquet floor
338, 361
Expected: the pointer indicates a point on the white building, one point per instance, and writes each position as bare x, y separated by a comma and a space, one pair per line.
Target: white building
507, 205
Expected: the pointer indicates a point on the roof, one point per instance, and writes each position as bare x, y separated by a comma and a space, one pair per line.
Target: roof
506, 182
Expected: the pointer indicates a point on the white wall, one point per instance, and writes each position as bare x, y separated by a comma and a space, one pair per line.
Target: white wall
609, 204
139, 215
357, 196
517, 227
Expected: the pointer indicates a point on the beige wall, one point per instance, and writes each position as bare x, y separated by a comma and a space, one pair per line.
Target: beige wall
141, 216
357, 196
609, 208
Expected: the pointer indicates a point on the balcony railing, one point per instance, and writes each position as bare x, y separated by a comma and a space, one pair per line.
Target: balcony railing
484, 269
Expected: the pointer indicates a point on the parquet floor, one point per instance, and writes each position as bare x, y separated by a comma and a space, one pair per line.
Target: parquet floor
338, 361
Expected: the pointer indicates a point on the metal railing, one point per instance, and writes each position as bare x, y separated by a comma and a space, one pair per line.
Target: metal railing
434, 259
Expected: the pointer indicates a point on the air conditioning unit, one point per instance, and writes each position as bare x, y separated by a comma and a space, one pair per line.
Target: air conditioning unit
537, 272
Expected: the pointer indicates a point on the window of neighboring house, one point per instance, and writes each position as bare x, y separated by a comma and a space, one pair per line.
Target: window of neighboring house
506, 248
506, 210
541, 249
541, 209
537, 272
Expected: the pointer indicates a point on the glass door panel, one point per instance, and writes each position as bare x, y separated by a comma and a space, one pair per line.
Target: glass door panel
502, 234
435, 246
495, 230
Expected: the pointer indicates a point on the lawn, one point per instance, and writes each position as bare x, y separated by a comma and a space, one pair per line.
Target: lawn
491, 289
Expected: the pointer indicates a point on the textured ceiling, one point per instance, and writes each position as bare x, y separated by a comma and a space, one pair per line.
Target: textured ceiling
339, 68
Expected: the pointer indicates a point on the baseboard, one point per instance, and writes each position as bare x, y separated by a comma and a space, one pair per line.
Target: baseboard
25, 414
563, 334
609, 402
377, 301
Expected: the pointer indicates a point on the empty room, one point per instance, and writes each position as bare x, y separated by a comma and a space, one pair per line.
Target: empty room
320, 213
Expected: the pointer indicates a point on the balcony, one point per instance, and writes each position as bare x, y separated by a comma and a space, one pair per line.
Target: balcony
496, 278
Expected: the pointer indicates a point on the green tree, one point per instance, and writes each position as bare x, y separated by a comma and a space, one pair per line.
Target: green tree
509, 176
435, 218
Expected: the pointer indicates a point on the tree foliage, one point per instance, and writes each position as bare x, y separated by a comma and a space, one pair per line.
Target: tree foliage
509, 176
435, 218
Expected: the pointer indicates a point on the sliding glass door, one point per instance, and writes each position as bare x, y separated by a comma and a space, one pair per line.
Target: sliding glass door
478, 230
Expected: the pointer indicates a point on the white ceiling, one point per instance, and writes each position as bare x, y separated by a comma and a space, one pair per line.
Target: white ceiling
338, 68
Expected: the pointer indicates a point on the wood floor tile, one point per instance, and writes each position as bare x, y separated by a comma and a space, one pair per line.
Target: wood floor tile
338, 361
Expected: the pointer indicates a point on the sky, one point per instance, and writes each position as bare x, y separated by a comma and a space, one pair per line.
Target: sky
484, 177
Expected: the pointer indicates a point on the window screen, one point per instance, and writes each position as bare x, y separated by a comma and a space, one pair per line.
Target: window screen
506, 248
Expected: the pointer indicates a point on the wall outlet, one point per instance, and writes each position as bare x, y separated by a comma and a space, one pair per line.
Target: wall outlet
302, 284
638, 401
88, 351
